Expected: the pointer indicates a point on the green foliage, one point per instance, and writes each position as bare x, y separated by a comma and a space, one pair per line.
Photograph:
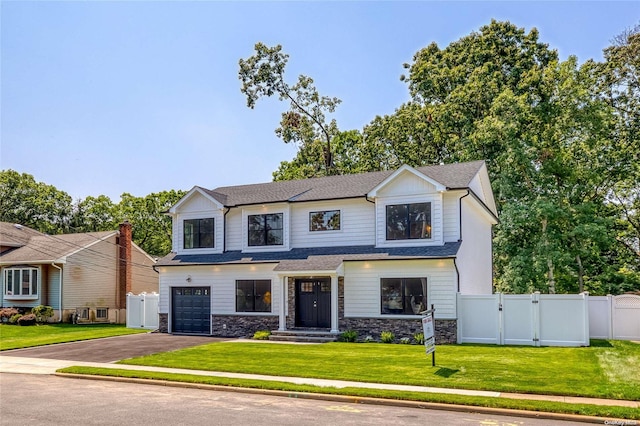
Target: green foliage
42, 313
387, 337
305, 122
405, 340
349, 336
14, 318
7, 313
418, 338
261, 335
28, 319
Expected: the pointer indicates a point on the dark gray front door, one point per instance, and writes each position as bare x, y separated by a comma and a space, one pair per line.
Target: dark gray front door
191, 310
313, 303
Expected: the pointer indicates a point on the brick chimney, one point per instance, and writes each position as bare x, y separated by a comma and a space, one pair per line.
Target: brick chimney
124, 263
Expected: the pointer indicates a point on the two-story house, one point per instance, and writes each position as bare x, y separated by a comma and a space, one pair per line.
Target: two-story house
365, 252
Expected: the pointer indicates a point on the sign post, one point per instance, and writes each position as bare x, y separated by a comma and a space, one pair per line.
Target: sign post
429, 335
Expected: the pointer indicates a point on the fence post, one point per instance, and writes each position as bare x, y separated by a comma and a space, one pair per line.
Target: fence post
500, 297
610, 315
535, 313
585, 308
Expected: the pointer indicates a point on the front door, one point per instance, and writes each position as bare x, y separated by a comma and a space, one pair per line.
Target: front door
313, 303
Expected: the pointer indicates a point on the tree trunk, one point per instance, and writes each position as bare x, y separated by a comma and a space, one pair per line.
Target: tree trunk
580, 274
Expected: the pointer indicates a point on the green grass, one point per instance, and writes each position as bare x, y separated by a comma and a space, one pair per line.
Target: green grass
604, 370
519, 404
15, 336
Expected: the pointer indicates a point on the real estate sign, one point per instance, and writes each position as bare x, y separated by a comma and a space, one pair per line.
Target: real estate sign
429, 337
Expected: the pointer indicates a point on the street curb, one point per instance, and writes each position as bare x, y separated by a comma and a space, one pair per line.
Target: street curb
358, 400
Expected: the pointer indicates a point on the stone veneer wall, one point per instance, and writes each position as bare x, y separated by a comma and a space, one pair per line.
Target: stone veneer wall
242, 326
291, 301
163, 325
445, 330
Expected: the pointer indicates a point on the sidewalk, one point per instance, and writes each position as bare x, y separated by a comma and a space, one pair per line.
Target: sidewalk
10, 364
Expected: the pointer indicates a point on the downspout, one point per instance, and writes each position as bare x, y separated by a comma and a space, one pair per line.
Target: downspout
60, 298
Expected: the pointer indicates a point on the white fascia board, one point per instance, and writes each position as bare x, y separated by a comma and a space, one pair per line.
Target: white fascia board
194, 190
406, 168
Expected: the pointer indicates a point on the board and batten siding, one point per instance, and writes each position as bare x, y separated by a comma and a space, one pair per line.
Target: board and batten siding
362, 285
90, 276
222, 281
198, 207
357, 224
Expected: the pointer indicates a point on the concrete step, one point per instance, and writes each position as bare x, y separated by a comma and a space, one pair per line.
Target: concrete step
310, 336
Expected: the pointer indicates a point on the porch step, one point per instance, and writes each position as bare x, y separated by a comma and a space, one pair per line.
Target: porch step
308, 336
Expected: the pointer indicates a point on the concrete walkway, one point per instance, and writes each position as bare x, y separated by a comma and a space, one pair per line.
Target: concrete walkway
13, 364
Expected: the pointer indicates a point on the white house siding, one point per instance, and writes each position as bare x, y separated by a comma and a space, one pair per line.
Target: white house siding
474, 257
362, 285
222, 280
233, 225
451, 215
198, 207
143, 277
357, 224
90, 276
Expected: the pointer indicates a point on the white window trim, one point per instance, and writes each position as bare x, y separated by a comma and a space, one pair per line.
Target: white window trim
435, 201
284, 209
21, 296
218, 230
253, 313
328, 231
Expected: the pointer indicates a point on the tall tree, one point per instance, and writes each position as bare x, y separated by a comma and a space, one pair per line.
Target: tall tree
305, 121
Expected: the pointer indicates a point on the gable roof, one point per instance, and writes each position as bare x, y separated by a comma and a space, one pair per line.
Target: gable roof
42, 248
451, 176
14, 235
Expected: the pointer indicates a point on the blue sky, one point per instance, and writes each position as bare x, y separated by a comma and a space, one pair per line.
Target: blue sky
140, 97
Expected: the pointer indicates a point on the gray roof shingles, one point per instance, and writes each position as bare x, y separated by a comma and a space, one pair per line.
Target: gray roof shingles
321, 256
457, 175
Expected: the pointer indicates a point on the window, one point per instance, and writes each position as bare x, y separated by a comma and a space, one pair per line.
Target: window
253, 296
324, 221
198, 233
21, 281
102, 314
265, 229
409, 221
403, 296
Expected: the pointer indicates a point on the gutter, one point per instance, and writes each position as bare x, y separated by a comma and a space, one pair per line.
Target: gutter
60, 301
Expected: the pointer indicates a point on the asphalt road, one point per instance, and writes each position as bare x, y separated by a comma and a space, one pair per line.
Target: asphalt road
113, 349
52, 400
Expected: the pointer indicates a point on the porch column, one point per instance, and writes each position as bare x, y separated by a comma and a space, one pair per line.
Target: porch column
282, 322
334, 303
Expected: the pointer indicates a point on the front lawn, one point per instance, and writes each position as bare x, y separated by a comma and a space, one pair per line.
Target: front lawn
15, 336
607, 369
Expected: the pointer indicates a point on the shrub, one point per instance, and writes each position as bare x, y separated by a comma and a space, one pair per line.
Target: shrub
349, 336
368, 339
28, 319
387, 337
405, 340
418, 338
7, 313
42, 313
14, 318
261, 335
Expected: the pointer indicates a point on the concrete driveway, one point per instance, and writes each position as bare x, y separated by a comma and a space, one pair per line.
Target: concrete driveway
112, 349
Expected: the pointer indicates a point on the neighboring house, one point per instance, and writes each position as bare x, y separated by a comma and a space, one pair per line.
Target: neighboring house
365, 252
85, 273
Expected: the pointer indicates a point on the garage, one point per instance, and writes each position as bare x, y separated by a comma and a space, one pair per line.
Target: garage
191, 310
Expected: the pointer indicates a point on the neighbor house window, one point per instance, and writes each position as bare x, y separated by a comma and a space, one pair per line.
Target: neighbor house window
253, 296
198, 233
328, 220
21, 281
409, 221
102, 314
265, 229
403, 296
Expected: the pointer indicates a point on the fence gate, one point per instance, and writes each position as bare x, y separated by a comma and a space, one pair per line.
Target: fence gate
615, 317
524, 319
142, 311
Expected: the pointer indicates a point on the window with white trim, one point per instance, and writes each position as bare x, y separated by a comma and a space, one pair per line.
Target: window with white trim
408, 221
328, 220
403, 296
253, 296
265, 229
198, 233
21, 281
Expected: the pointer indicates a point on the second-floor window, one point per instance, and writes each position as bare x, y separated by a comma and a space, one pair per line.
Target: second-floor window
266, 229
198, 233
328, 220
409, 221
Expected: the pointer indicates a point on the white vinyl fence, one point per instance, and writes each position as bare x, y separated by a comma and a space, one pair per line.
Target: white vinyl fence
524, 319
614, 317
142, 311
